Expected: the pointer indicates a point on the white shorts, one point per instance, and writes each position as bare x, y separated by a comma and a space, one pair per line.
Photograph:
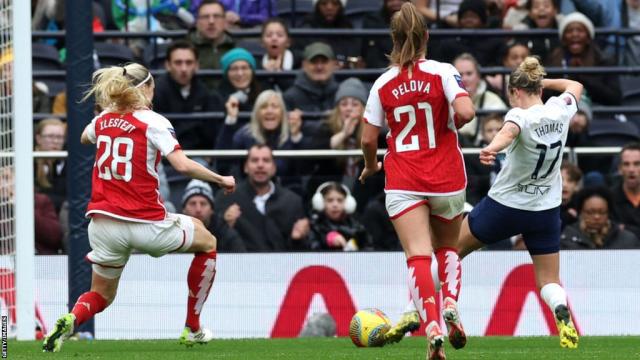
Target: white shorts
445, 208
112, 241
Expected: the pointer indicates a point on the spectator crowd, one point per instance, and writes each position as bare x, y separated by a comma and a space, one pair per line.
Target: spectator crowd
295, 204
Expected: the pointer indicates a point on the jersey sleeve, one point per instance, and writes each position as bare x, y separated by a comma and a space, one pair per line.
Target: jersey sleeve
452, 83
373, 112
517, 117
162, 135
565, 101
91, 130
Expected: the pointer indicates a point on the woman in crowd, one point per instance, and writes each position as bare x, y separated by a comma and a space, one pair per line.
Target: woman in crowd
514, 53
240, 87
278, 57
333, 226
579, 49
594, 228
50, 174
482, 97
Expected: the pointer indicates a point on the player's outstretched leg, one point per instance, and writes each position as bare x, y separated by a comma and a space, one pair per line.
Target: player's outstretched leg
200, 278
409, 322
554, 295
88, 304
450, 274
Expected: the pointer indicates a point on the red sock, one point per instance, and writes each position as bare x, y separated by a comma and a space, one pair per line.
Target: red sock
421, 288
200, 278
449, 272
88, 304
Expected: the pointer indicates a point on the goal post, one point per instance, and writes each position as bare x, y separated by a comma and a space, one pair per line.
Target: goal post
23, 162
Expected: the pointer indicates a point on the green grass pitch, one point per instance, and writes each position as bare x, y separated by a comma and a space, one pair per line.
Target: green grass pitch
529, 348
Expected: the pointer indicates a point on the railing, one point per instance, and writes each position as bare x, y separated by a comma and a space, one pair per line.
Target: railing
226, 154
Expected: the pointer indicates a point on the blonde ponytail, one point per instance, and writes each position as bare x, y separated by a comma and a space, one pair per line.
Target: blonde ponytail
409, 35
119, 88
528, 76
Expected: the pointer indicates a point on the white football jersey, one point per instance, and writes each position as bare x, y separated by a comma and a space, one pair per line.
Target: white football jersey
530, 178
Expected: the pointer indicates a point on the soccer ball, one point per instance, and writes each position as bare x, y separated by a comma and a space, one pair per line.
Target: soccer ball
368, 327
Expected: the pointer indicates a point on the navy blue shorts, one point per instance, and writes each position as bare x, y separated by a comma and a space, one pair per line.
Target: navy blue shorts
490, 222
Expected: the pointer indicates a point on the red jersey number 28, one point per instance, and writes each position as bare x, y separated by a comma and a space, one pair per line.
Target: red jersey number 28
115, 152
410, 110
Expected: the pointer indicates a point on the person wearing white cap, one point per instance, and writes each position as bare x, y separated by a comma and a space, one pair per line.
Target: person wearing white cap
577, 49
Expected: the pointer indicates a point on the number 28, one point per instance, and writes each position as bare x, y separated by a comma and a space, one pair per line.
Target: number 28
109, 171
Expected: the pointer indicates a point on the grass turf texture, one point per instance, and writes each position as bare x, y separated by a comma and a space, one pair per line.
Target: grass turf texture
528, 348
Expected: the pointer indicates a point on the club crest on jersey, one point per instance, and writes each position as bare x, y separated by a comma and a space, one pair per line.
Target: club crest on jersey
172, 132
459, 80
567, 100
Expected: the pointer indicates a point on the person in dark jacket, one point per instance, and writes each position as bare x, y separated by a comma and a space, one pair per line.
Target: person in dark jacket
595, 229
376, 220
197, 201
333, 226
626, 193
210, 37
375, 49
578, 48
267, 216
314, 88
180, 90
571, 185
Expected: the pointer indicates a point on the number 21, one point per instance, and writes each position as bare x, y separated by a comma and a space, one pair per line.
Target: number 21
415, 142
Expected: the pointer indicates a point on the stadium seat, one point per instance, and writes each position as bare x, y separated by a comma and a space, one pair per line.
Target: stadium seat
46, 57
362, 6
613, 133
630, 86
254, 46
302, 8
155, 54
110, 54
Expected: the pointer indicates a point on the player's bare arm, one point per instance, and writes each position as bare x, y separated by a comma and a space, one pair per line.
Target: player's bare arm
369, 146
504, 138
564, 85
84, 138
190, 168
464, 109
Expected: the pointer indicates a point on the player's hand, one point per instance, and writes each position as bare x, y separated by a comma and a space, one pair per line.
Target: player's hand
233, 107
232, 214
300, 229
228, 183
487, 157
366, 172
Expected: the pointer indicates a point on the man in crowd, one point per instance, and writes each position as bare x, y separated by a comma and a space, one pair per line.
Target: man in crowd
626, 194
197, 201
267, 216
181, 91
315, 87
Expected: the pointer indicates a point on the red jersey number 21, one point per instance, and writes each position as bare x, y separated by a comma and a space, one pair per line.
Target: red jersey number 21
108, 170
410, 110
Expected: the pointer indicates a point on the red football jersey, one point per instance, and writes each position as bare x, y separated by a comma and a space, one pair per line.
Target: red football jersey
423, 156
125, 181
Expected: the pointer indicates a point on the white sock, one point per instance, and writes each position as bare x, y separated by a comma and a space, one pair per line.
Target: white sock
553, 294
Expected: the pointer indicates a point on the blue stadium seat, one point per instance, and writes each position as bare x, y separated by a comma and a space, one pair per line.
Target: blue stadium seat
254, 46
110, 54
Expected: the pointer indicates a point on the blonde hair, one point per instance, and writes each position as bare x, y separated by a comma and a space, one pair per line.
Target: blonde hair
119, 88
254, 125
528, 76
408, 32
336, 123
45, 166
